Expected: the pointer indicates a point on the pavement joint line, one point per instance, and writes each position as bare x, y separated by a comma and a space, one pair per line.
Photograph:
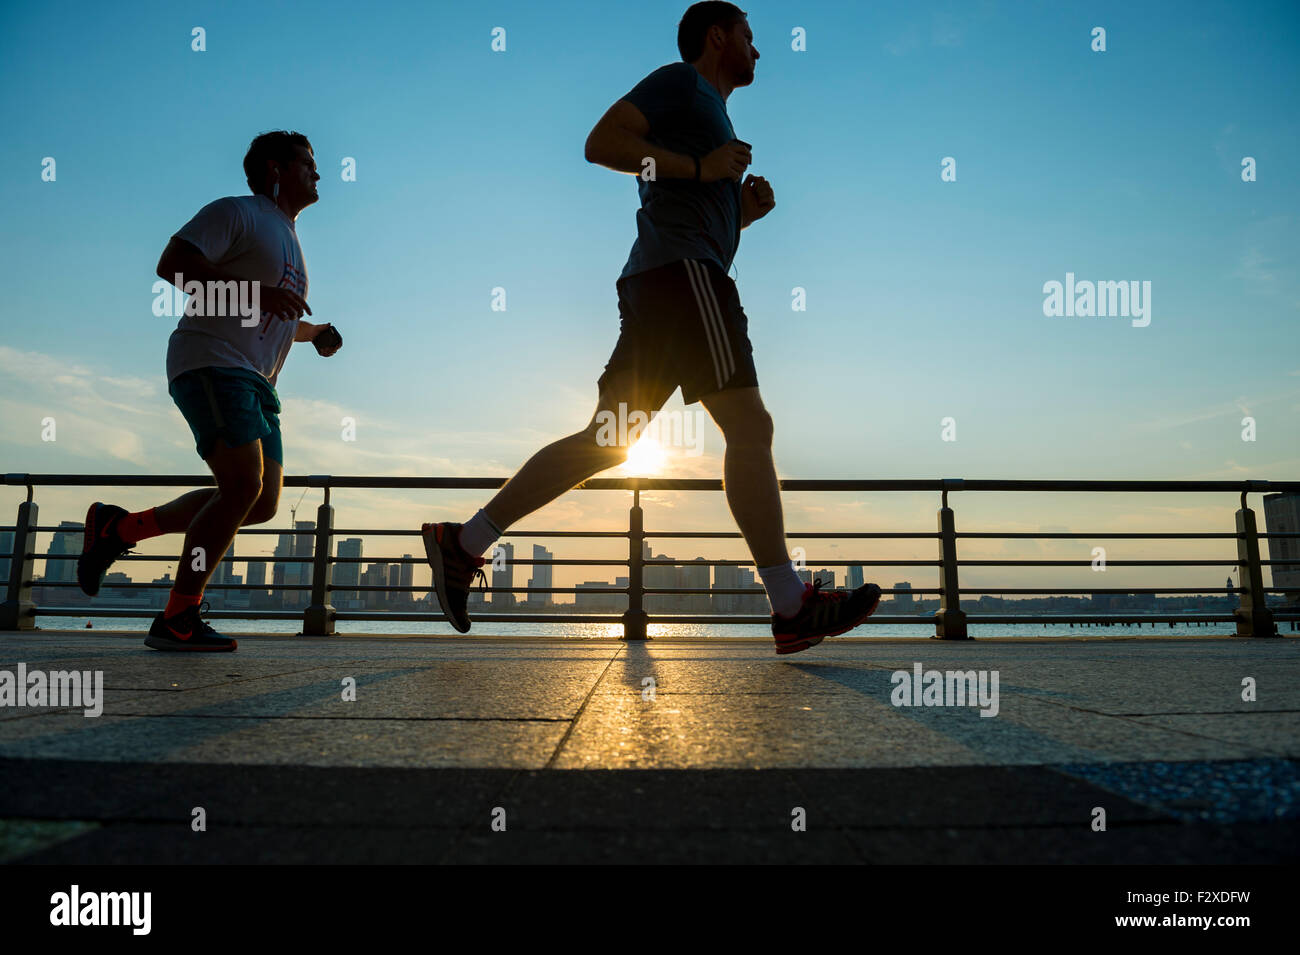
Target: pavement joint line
1137, 720
1251, 712
355, 719
559, 747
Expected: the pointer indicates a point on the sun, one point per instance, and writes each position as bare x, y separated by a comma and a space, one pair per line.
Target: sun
645, 457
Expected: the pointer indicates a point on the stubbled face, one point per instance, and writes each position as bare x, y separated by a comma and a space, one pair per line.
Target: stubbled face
298, 179
739, 54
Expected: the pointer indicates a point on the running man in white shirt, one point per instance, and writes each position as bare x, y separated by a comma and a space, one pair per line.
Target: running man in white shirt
221, 372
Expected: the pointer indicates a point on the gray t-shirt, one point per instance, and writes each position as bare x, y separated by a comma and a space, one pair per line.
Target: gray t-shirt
251, 238
681, 218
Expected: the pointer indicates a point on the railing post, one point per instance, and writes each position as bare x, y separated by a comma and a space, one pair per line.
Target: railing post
634, 618
318, 618
950, 619
18, 612
1254, 619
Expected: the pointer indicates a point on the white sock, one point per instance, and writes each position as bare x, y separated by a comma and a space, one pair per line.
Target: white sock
784, 588
478, 534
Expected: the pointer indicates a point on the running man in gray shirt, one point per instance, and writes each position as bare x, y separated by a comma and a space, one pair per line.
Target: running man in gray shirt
681, 325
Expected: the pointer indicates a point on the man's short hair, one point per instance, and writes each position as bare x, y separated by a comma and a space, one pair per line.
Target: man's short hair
698, 20
277, 145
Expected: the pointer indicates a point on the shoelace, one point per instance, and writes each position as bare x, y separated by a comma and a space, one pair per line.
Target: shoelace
470, 570
201, 609
478, 575
817, 595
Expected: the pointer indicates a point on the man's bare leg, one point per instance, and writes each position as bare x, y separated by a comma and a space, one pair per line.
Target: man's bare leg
239, 474
453, 550
177, 514
749, 473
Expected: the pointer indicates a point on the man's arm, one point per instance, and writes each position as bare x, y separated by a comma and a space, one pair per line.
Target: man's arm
618, 141
184, 259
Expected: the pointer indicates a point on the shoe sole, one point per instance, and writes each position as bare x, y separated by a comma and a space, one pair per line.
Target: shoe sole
433, 554
87, 539
158, 643
783, 649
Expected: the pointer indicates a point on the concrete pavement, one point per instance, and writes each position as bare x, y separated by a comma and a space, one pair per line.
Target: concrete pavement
663, 751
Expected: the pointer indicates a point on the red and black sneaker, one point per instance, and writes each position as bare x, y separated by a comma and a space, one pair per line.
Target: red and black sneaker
100, 546
825, 613
187, 631
454, 570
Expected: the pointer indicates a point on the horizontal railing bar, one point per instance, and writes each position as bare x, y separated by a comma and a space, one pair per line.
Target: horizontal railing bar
1205, 591
664, 591
390, 532
734, 535
1084, 562
668, 484
791, 534
109, 585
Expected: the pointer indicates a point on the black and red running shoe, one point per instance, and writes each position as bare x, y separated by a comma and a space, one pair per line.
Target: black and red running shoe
454, 570
825, 613
100, 546
187, 631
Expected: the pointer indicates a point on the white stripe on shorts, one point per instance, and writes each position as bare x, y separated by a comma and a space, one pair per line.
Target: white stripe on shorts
724, 365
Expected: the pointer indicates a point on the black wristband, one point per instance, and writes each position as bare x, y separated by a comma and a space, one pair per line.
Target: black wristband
697, 168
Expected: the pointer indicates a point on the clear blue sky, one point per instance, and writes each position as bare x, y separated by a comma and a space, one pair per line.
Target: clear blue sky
924, 297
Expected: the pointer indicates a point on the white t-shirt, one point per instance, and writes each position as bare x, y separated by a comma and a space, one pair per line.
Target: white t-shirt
249, 237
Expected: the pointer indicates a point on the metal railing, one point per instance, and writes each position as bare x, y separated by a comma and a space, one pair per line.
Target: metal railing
1252, 616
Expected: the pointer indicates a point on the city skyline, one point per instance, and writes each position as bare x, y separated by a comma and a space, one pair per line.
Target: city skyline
594, 596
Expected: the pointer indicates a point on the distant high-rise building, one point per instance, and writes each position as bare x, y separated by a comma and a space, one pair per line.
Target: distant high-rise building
903, 600
659, 576
282, 573
299, 572
407, 577
856, 579
755, 603
6, 548
347, 575
223, 574
726, 577
63, 542
692, 576
376, 575
503, 576
541, 577
256, 573
596, 596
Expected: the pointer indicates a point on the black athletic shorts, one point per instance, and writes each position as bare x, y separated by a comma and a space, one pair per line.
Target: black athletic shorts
682, 324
